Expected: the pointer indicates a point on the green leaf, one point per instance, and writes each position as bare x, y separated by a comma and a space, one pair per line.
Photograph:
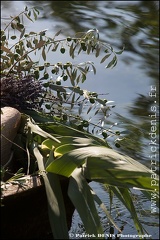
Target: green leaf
105, 57
36, 10
81, 196
19, 25
76, 90
17, 19
27, 15
29, 45
72, 101
89, 48
44, 54
125, 197
104, 165
112, 63
72, 49
32, 33
120, 52
94, 69
57, 33
98, 49
36, 129
57, 88
55, 47
64, 166
22, 33
4, 58
13, 25
35, 15
64, 149
103, 207
56, 209
13, 37
80, 108
76, 141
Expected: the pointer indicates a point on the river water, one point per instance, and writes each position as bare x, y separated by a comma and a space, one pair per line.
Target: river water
134, 24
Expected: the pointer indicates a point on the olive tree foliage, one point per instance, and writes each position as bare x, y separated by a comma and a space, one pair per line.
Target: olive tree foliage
61, 93
58, 131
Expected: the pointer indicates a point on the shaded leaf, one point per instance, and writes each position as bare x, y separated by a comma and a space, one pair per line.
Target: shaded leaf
112, 63
55, 47
44, 54
103, 207
57, 33
120, 52
98, 49
35, 15
125, 197
80, 195
22, 33
3, 48
80, 107
36, 129
27, 15
56, 208
40, 44
105, 57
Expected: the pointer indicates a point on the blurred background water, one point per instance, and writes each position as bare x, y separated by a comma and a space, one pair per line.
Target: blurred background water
134, 24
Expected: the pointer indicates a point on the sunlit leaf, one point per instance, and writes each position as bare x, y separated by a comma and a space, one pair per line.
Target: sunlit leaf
104, 165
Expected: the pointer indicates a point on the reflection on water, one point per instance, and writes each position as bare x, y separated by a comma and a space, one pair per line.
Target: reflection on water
135, 24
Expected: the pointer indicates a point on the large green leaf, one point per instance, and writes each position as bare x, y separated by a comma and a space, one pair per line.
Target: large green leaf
36, 129
59, 129
103, 165
81, 196
76, 141
56, 209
